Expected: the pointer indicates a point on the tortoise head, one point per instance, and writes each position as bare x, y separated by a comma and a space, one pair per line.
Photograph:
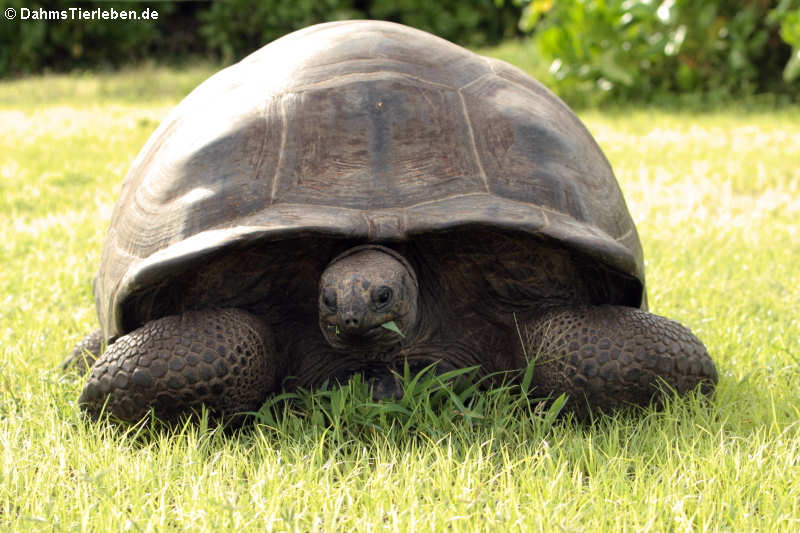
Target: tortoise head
368, 299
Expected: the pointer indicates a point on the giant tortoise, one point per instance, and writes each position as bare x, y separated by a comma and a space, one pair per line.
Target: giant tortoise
358, 196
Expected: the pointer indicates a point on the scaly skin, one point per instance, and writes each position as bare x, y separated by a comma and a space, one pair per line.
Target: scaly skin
604, 357
221, 358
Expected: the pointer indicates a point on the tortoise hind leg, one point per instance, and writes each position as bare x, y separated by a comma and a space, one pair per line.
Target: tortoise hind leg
222, 358
605, 357
85, 353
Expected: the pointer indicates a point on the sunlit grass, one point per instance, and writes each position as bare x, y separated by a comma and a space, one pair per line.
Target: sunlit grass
716, 200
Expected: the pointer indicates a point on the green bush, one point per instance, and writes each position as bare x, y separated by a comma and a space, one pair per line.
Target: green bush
234, 28
787, 14
28, 45
223, 29
467, 22
645, 49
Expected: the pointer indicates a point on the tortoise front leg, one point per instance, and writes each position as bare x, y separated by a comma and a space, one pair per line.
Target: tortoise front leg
605, 357
222, 358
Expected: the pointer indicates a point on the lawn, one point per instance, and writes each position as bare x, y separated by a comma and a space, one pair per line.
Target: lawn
716, 197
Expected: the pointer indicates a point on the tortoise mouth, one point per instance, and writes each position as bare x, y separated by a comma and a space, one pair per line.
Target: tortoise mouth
364, 339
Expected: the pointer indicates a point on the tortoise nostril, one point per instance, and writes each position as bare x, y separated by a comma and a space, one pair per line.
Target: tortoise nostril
351, 322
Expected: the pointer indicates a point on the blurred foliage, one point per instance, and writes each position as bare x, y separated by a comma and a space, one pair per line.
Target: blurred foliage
468, 22
224, 30
787, 14
597, 50
234, 28
646, 50
28, 43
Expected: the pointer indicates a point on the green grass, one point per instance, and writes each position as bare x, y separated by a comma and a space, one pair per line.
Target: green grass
716, 198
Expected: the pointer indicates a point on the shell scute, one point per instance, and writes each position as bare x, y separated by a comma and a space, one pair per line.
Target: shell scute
368, 145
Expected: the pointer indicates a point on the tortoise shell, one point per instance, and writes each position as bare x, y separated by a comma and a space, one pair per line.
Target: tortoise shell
366, 131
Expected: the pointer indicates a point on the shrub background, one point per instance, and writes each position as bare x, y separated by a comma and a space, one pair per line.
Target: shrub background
647, 50
222, 30
596, 50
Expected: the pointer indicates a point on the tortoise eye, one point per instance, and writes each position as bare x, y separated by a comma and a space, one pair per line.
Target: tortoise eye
382, 296
329, 299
